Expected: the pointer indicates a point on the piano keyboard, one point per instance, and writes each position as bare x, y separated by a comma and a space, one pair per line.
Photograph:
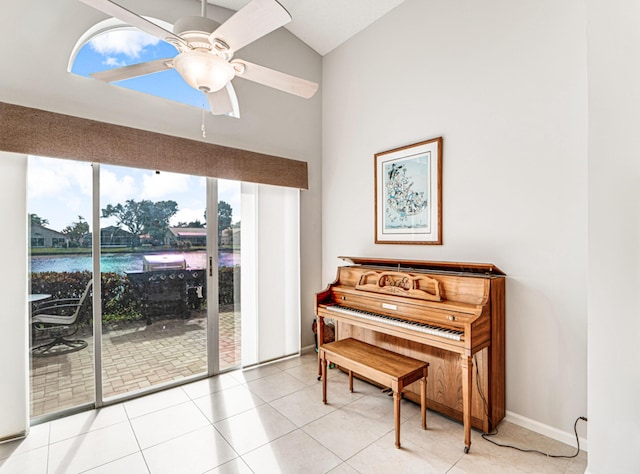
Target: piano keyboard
420, 327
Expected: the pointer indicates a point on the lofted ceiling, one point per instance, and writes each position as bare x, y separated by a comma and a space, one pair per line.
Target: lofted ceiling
49, 32
325, 24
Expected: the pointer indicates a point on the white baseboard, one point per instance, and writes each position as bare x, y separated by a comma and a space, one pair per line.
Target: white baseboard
20, 435
308, 349
546, 430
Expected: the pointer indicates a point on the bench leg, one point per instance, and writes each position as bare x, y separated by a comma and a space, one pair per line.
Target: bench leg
397, 396
351, 381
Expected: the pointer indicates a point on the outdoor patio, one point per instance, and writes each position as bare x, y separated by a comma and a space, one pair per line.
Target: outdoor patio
135, 356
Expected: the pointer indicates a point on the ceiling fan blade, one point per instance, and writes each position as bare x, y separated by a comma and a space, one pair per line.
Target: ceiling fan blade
221, 102
253, 21
133, 70
276, 79
133, 19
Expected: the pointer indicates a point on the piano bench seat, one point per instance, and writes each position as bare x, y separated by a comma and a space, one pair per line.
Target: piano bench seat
384, 367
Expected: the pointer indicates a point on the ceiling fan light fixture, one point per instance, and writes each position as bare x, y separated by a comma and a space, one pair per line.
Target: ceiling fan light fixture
203, 70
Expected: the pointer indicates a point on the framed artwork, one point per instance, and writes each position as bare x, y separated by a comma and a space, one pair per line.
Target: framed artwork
408, 194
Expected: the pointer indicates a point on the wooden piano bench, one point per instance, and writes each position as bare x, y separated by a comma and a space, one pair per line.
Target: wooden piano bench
384, 367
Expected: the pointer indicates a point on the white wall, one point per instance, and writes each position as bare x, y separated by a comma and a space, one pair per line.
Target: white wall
271, 121
14, 362
504, 84
614, 235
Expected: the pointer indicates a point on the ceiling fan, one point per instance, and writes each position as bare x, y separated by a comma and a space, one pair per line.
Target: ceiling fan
206, 48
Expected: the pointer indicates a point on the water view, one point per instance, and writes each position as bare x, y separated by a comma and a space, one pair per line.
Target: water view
122, 262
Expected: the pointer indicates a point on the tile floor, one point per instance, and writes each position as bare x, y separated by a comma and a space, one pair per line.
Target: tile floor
271, 419
135, 356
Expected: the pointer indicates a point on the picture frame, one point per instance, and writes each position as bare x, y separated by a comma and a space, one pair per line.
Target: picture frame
408, 194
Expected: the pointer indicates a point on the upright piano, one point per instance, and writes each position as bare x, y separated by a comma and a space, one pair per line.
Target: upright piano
450, 314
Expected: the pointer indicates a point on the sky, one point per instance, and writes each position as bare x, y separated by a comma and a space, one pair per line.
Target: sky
60, 191
125, 47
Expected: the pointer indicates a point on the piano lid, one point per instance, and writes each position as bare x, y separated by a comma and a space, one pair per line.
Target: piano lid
480, 269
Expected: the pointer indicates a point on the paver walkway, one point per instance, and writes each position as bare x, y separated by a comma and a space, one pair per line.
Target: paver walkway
135, 356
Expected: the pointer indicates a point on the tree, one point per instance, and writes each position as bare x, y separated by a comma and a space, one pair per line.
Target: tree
76, 230
158, 214
225, 213
143, 217
36, 219
192, 224
128, 215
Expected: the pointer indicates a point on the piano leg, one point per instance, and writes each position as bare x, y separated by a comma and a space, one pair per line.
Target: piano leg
323, 366
467, 384
319, 341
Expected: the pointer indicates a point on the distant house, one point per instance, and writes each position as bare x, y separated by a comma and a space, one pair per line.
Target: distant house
86, 240
43, 237
196, 235
113, 236
229, 236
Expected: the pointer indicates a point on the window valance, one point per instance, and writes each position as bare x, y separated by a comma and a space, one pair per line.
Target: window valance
37, 132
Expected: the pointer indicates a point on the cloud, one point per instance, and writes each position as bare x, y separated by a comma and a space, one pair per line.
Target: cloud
59, 190
113, 62
49, 177
115, 189
163, 185
188, 215
123, 42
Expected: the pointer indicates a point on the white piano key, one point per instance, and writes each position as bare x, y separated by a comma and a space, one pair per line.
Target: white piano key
413, 325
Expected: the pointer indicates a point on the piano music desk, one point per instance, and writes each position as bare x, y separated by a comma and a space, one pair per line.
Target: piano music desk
387, 368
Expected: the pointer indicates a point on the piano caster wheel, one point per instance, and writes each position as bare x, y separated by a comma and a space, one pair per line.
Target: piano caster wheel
466, 450
319, 377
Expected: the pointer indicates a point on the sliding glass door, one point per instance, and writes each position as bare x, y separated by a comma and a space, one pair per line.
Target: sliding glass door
62, 350
153, 263
166, 304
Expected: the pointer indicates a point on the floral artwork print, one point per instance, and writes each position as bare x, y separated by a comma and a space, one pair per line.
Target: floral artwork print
406, 193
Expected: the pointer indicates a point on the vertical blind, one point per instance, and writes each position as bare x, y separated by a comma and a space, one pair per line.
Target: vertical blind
271, 279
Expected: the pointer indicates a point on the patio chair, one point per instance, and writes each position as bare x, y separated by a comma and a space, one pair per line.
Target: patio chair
60, 319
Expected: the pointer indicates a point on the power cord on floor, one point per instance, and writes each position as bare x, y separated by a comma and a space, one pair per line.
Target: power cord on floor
524, 450
485, 436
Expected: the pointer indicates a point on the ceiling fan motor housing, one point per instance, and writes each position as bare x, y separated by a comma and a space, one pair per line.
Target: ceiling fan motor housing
196, 30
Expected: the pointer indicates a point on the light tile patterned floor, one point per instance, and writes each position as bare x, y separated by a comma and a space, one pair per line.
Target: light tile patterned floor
224, 425
135, 356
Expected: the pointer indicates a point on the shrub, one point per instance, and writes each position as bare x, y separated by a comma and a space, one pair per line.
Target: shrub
226, 293
119, 301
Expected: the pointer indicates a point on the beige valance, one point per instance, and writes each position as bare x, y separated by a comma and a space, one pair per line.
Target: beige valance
37, 132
